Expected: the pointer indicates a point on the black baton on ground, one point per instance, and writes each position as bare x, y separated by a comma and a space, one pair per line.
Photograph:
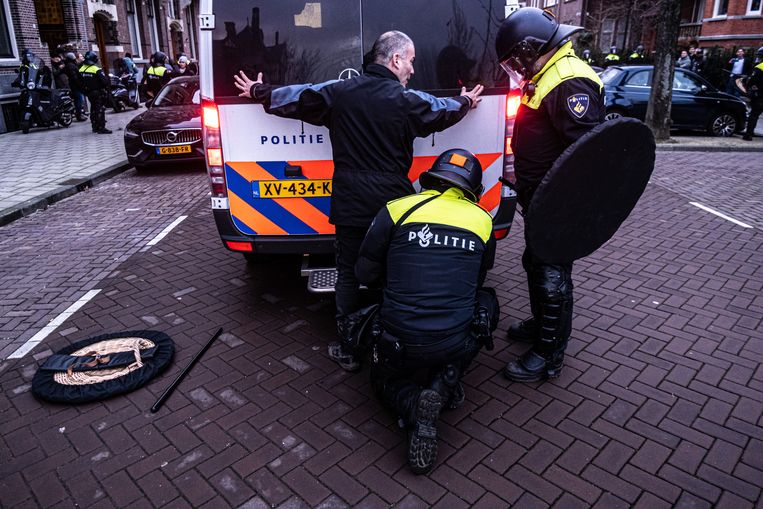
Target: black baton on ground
166, 394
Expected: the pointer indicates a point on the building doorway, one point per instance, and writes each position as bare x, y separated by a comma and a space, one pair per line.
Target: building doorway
101, 24
176, 39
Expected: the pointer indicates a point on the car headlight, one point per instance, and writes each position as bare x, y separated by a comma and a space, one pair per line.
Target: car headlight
129, 133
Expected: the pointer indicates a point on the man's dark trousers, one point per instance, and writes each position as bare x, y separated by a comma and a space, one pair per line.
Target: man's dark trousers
347, 245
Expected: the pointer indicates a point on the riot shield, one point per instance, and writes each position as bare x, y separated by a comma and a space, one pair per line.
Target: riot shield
591, 189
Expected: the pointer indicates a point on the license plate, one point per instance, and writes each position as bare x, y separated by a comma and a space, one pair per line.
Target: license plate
178, 149
291, 188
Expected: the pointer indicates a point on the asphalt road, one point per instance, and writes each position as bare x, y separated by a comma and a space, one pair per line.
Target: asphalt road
659, 404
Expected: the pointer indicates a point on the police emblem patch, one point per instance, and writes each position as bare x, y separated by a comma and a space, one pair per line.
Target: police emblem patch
578, 104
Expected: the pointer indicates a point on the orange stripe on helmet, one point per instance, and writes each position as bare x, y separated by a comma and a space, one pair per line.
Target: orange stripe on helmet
252, 218
307, 213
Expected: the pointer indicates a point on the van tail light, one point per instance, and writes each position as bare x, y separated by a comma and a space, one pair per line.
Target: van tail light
513, 101
213, 149
244, 247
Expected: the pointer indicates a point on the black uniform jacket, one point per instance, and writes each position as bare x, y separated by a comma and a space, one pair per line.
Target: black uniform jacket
755, 84
431, 265
92, 78
372, 121
542, 134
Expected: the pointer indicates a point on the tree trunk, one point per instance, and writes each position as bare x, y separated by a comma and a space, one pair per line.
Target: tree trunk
658, 110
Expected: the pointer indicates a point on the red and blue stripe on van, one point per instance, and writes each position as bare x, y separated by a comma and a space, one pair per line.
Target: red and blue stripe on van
308, 216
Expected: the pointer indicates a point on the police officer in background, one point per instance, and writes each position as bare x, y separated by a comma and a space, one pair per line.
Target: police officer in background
562, 100
754, 85
95, 84
612, 57
587, 58
637, 57
157, 74
431, 252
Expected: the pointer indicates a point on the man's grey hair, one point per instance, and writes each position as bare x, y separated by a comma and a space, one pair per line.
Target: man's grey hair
388, 44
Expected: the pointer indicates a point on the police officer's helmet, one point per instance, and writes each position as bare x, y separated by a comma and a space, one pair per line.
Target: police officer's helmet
586, 53
160, 58
526, 35
455, 168
759, 53
91, 57
640, 49
26, 56
613, 49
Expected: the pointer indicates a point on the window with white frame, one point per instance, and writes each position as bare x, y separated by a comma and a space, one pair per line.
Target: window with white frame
721, 8
7, 36
133, 28
754, 7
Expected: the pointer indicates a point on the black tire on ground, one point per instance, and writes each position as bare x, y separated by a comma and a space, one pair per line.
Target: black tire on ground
722, 124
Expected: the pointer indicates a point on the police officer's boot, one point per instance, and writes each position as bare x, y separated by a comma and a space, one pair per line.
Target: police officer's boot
527, 331
446, 383
422, 445
338, 350
546, 357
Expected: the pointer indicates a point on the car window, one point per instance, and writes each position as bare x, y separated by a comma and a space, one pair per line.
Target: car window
610, 75
454, 41
179, 93
639, 79
289, 41
685, 82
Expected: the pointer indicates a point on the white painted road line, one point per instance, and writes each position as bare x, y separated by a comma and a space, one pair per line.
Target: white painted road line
720, 214
164, 232
52, 325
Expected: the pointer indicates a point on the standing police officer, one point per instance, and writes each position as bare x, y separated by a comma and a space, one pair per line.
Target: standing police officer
612, 57
562, 100
431, 252
754, 85
95, 84
157, 74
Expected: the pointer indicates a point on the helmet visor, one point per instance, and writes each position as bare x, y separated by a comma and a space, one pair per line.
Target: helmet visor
515, 70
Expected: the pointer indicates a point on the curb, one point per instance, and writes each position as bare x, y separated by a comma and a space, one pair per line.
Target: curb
664, 147
43, 201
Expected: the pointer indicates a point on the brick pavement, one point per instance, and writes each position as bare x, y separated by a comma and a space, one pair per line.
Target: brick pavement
659, 404
46, 165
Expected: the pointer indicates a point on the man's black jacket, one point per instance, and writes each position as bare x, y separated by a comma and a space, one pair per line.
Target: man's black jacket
372, 121
430, 264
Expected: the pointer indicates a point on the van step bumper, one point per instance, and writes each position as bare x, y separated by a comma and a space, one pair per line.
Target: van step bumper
321, 280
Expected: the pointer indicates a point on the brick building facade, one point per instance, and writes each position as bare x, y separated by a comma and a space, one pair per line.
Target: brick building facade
111, 28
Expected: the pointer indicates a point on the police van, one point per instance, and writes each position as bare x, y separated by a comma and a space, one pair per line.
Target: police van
271, 177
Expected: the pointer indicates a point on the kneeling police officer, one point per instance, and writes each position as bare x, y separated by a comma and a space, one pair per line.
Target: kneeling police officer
431, 252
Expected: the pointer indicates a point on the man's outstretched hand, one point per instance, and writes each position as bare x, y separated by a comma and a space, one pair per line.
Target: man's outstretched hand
473, 94
244, 84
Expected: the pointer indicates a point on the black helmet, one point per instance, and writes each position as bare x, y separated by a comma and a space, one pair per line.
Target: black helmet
160, 58
640, 48
613, 49
526, 35
759, 53
90, 56
455, 168
26, 56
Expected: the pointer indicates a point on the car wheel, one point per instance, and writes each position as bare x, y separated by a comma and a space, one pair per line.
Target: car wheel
722, 124
613, 114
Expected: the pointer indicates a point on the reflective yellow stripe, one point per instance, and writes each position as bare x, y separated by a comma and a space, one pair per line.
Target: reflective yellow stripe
564, 65
450, 209
157, 71
88, 69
